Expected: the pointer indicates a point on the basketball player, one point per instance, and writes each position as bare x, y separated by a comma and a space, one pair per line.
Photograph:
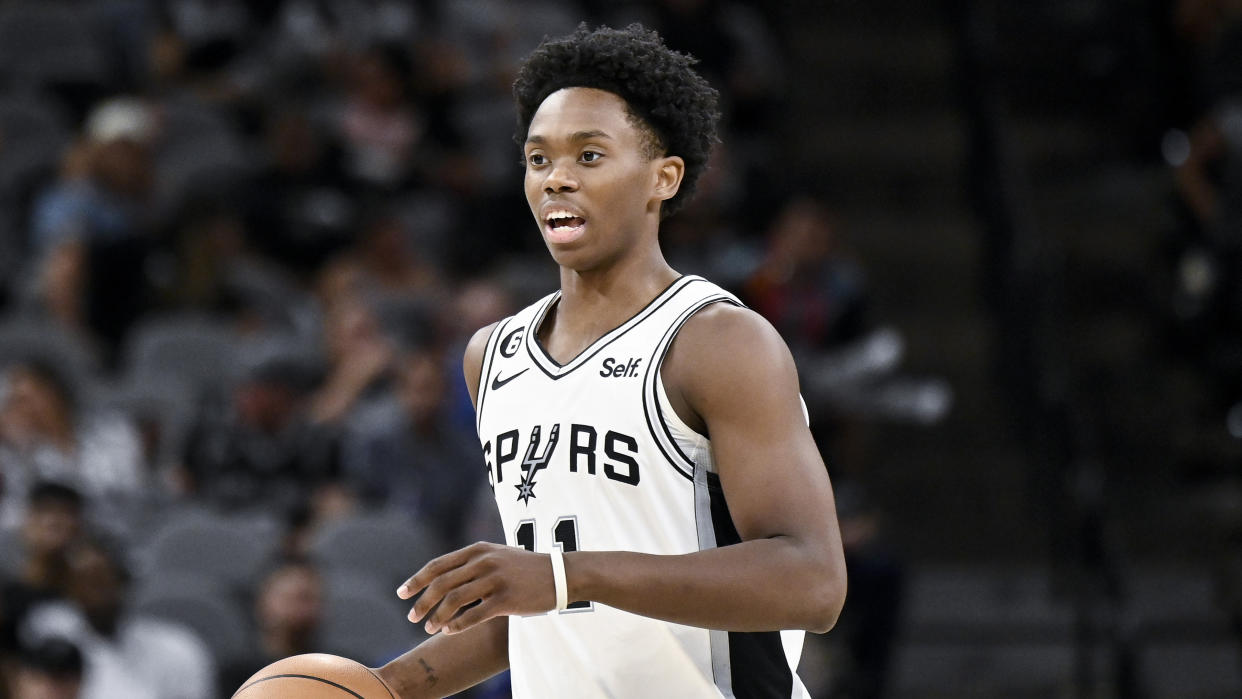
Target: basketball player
670, 525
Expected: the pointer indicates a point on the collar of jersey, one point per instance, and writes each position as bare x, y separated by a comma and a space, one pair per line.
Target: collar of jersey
556, 370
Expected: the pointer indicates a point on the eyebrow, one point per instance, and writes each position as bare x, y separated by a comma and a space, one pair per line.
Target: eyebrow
578, 136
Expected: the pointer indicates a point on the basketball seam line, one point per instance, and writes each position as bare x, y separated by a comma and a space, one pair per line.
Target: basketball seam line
308, 677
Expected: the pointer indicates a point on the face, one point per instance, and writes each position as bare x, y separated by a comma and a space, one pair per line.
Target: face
35, 403
590, 185
51, 526
97, 585
34, 684
292, 599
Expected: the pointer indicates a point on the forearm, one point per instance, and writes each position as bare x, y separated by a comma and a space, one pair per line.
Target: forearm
446, 664
758, 585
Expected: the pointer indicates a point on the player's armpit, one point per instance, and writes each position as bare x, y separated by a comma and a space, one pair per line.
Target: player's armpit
445, 665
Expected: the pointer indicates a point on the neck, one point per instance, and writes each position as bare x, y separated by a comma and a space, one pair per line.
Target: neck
285, 642
596, 301
613, 292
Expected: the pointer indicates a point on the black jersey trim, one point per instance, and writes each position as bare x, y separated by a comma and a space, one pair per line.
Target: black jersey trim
652, 413
651, 388
758, 668
555, 370
489, 355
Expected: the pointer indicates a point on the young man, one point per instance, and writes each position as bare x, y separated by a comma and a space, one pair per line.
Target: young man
668, 514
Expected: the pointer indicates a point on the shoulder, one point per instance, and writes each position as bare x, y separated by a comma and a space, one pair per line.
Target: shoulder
472, 362
478, 344
165, 639
728, 359
730, 335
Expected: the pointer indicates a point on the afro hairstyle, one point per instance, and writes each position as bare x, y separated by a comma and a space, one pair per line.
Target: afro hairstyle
672, 104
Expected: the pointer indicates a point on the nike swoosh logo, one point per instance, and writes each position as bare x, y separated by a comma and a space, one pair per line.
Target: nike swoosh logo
498, 382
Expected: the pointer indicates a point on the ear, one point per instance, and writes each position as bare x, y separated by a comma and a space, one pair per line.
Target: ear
669, 171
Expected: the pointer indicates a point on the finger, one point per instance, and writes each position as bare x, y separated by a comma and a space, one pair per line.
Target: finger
457, 600
433, 569
434, 592
471, 616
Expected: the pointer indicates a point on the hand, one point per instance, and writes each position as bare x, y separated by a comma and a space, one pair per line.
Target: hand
482, 581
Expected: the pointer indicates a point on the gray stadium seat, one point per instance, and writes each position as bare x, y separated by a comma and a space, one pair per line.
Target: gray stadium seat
193, 349
202, 606
383, 547
34, 135
23, 338
231, 550
367, 625
49, 42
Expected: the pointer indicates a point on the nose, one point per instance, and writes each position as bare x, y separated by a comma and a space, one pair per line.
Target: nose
559, 179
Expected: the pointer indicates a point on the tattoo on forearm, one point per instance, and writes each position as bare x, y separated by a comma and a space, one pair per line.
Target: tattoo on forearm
431, 673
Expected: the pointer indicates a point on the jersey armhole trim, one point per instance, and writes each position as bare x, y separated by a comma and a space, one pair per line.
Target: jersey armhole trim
652, 410
489, 353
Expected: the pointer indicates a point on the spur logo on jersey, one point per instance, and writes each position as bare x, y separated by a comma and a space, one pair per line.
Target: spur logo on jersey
620, 367
536, 461
590, 453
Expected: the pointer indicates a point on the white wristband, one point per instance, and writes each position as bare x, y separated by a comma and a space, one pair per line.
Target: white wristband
558, 578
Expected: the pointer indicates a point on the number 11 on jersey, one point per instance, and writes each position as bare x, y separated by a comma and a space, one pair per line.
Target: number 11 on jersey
564, 536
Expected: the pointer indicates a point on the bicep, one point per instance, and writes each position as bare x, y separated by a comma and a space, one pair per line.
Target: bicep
744, 387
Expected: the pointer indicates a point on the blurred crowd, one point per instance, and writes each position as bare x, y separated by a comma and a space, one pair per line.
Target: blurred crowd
242, 245
1204, 148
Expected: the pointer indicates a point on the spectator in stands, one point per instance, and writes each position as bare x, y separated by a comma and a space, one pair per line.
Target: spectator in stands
1206, 255
91, 229
127, 655
387, 268
53, 523
417, 459
261, 450
287, 611
50, 670
814, 292
807, 285
380, 128
220, 272
299, 202
46, 435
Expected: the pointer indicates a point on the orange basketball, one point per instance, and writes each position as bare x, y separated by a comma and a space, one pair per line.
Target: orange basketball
315, 676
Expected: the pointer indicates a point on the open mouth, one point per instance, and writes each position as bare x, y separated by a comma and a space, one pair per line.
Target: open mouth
563, 226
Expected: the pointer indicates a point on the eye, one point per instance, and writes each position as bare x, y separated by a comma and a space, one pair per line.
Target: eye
590, 156
536, 159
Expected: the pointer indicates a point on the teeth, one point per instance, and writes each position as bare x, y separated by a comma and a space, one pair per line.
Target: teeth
560, 213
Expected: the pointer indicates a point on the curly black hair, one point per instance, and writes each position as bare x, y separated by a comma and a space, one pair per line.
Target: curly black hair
667, 100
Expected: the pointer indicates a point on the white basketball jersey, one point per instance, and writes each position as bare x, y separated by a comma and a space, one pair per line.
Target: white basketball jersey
590, 456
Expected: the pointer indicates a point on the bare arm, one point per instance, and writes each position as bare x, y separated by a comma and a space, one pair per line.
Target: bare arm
730, 374
444, 665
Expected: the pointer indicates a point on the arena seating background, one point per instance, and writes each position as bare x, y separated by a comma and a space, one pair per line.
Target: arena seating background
1026, 385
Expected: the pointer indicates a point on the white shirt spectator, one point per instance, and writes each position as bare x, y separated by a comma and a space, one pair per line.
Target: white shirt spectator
147, 659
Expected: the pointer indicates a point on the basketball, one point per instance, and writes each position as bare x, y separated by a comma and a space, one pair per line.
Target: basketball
315, 676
